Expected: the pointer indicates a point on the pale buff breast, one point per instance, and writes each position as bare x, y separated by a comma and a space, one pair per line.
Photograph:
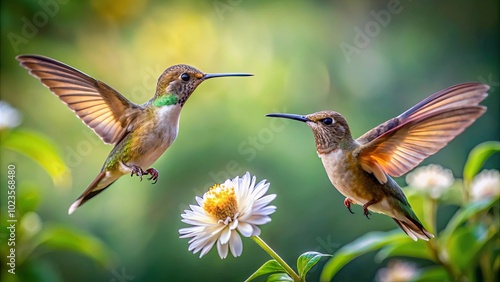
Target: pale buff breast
157, 137
352, 182
343, 173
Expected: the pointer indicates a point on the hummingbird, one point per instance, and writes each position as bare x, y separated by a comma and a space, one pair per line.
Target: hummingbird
361, 169
140, 133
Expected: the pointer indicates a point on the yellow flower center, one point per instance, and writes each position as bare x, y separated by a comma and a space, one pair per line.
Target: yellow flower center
220, 202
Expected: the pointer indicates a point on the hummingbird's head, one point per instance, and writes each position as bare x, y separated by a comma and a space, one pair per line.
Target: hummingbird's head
182, 80
330, 129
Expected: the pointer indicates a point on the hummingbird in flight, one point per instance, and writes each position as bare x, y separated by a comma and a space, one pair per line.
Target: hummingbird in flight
361, 169
140, 133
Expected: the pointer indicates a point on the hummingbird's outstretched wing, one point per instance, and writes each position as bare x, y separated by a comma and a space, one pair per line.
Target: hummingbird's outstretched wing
401, 143
98, 105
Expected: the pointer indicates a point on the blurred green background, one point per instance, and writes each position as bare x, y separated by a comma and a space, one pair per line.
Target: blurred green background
368, 60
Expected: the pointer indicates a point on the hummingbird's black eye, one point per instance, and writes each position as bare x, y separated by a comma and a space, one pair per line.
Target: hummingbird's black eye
185, 76
327, 121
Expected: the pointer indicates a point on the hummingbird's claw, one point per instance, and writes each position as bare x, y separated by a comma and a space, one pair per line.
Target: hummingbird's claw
347, 204
154, 174
367, 213
137, 171
365, 208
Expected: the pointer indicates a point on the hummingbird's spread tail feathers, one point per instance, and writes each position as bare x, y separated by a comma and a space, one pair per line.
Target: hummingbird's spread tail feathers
91, 191
414, 229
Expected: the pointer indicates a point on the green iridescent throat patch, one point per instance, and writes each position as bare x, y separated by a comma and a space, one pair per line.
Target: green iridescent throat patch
166, 100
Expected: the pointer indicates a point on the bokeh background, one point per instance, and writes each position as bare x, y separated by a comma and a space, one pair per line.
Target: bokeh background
369, 60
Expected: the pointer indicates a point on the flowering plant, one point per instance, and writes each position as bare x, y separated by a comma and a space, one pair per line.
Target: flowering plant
468, 242
237, 207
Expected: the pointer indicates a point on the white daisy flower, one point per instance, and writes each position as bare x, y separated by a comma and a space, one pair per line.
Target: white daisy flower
225, 212
485, 184
432, 179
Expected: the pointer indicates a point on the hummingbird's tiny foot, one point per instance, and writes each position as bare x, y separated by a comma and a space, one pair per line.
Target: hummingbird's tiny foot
154, 174
365, 208
137, 171
367, 213
347, 204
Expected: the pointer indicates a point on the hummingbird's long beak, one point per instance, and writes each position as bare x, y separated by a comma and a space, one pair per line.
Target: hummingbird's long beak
290, 116
213, 75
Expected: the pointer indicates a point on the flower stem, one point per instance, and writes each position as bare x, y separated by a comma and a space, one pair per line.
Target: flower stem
275, 256
430, 216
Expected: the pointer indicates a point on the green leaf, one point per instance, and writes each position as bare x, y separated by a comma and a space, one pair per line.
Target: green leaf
478, 156
307, 260
466, 243
434, 273
29, 198
364, 244
417, 201
279, 277
417, 249
62, 238
464, 214
41, 150
271, 266
39, 270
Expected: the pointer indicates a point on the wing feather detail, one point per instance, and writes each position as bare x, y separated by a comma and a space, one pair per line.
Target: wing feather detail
98, 105
401, 143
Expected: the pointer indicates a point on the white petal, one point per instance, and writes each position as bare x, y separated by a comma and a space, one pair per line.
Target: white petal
197, 243
208, 246
265, 200
222, 250
197, 209
258, 219
252, 184
203, 243
245, 210
256, 230
236, 245
265, 210
202, 218
199, 201
225, 235
191, 231
242, 189
260, 189
192, 215
216, 229
199, 221
204, 234
198, 217
245, 229
234, 224
195, 233
232, 182
246, 179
